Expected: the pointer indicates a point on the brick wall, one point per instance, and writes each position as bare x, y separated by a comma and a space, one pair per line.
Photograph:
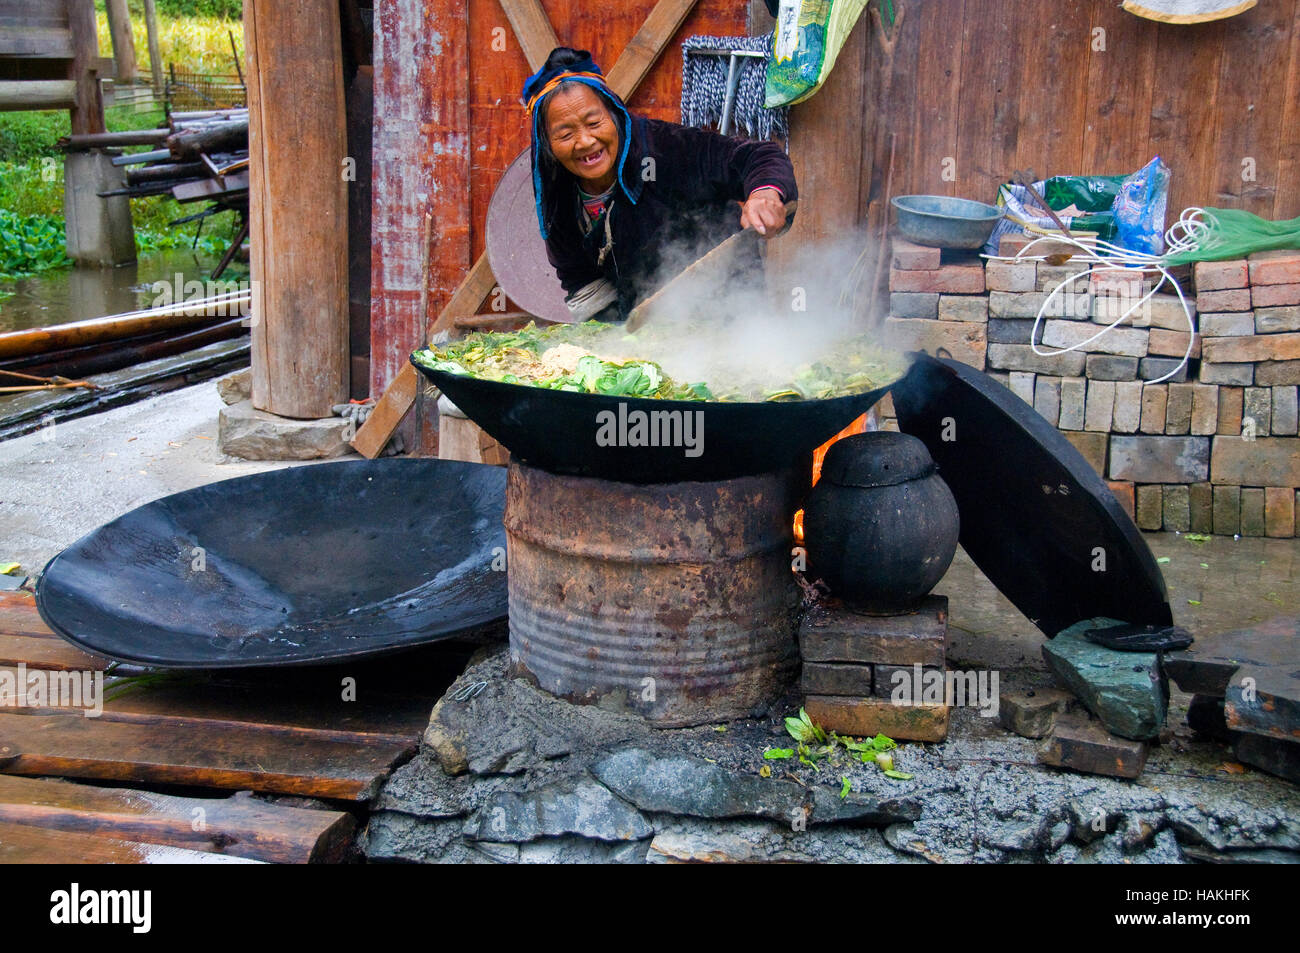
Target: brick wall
1212, 449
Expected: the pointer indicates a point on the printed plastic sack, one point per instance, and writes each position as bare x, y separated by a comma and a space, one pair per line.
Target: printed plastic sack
1140, 209
805, 43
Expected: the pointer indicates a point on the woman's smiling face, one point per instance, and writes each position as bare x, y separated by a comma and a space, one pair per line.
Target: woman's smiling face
583, 135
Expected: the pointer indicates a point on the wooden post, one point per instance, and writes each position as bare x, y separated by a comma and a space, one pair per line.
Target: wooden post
88, 112
119, 26
155, 58
297, 205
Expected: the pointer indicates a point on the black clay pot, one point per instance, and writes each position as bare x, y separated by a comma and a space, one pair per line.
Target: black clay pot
881, 526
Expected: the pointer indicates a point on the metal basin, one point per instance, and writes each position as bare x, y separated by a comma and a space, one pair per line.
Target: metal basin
293, 566
945, 222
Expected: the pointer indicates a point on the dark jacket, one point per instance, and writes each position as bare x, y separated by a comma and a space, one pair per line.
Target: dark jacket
686, 182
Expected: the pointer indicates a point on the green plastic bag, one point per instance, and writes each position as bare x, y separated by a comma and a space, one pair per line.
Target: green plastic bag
1233, 233
805, 43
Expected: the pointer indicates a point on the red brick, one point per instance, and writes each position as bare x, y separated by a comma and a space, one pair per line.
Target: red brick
864, 717
1123, 491
1261, 347
1274, 296
1231, 400
1281, 267
1218, 275
1008, 276
908, 256
1237, 299
1011, 245
1279, 511
949, 279
1171, 343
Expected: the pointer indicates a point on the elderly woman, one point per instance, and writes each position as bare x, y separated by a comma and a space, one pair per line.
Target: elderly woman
615, 192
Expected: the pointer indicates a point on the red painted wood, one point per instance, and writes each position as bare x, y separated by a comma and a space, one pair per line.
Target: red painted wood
423, 134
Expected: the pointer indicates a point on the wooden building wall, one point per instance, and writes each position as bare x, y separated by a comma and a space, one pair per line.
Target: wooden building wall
448, 122
1059, 86
1074, 86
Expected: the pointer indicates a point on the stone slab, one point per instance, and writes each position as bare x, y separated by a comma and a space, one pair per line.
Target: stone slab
965, 341
836, 678
1156, 459
865, 717
1277, 320
1125, 690
1264, 461
837, 634
914, 304
1088, 748
253, 434
1021, 357
1032, 713
1281, 758
1207, 667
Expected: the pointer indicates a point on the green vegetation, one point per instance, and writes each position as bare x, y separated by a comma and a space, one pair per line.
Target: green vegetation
195, 35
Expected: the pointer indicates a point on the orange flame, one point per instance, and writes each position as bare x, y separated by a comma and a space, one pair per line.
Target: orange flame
858, 426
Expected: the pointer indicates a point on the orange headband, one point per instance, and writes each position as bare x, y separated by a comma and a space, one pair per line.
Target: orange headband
532, 103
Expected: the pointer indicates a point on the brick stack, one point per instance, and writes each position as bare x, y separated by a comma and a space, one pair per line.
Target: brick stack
937, 300
1173, 452
854, 665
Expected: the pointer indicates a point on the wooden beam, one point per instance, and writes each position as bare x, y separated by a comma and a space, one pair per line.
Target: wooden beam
119, 28
88, 111
155, 58
297, 206
50, 42
639, 56
38, 94
532, 28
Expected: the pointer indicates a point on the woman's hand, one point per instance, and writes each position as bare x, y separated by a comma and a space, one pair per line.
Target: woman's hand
764, 212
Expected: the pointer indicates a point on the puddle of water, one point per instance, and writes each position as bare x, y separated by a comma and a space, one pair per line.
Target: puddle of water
74, 294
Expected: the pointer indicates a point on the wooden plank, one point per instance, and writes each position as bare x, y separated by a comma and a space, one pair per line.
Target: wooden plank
88, 113
237, 826
38, 94
1121, 74
532, 28
939, 87
203, 754
1287, 204
1247, 132
22, 13
1183, 113
45, 41
297, 207
49, 652
643, 49
989, 128
20, 844
1054, 93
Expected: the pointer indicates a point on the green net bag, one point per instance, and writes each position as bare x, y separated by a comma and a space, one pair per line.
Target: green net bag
1217, 234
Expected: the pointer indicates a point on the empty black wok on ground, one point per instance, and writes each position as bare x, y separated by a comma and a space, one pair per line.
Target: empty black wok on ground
294, 566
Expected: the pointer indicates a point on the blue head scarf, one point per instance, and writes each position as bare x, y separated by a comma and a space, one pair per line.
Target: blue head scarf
545, 81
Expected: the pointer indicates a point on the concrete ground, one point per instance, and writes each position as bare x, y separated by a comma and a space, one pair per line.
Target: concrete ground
59, 483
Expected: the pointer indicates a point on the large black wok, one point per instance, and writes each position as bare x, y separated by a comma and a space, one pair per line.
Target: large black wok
569, 432
308, 564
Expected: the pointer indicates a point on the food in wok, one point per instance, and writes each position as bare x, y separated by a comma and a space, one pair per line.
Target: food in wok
722, 365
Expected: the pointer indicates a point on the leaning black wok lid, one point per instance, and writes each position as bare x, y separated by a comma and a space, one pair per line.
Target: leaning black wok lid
1035, 517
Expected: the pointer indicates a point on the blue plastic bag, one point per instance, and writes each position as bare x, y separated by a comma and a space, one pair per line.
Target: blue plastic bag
1140, 209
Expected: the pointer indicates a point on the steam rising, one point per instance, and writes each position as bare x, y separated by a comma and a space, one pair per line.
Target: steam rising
750, 328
